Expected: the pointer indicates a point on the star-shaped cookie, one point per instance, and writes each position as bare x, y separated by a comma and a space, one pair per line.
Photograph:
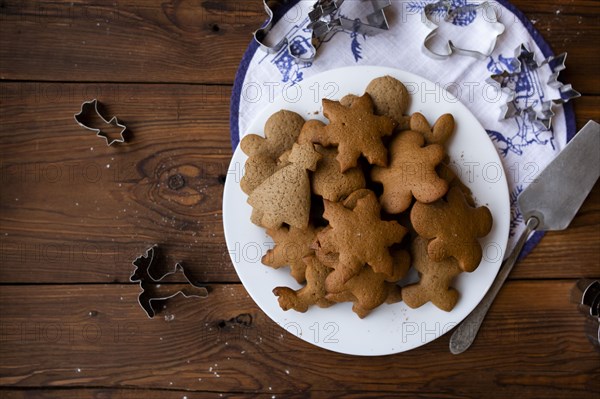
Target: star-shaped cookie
359, 236
356, 130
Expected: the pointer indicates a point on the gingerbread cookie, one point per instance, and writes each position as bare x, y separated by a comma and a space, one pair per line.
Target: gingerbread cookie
313, 293
390, 98
360, 237
367, 290
436, 278
311, 131
453, 227
328, 182
285, 196
411, 173
356, 131
445, 172
281, 131
291, 246
440, 133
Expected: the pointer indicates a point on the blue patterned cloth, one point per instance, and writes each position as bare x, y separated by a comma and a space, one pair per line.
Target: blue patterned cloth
524, 146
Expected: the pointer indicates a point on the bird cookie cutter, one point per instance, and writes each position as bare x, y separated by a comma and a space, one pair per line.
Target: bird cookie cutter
450, 12
376, 22
525, 59
142, 275
92, 106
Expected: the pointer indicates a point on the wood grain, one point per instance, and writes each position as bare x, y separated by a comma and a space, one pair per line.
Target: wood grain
74, 210
74, 213
133, 41
96, 335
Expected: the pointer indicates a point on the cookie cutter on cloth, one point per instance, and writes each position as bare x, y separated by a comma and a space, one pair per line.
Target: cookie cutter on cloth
505, 82
451, 13
376, 22
89, 107
142, 275
261, 34
322, 29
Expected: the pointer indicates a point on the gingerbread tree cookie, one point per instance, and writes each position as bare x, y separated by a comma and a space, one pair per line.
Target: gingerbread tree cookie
359, 236
453, 227
285, 196
291, 246
411, 173
313, 293
356, 130
436, 278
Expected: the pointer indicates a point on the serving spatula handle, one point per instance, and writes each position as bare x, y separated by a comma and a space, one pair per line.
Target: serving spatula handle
465, 333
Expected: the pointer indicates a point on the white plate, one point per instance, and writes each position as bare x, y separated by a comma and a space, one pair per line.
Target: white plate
389, 328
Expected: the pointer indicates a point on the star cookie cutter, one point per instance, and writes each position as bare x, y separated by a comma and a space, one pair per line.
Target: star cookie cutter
261, 34
142, 275
89, 107
323, 29
525, 58
451, 13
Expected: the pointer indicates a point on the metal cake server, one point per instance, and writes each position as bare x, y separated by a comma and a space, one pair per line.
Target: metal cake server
549, 203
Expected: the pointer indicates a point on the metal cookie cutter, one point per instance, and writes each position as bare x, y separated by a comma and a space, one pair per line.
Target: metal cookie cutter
323, 29
89, 107
142, 275
505, 82
450, 14
261, 34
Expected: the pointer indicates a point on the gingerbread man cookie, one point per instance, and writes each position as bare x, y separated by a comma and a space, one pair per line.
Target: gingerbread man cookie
436, 278
313, 293
292, 245
411, 173
453, 227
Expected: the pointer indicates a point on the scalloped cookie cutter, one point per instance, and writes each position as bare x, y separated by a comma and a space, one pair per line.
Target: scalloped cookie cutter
450, 14
524, 57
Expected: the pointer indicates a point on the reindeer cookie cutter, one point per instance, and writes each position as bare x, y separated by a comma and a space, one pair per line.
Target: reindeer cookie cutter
142, 275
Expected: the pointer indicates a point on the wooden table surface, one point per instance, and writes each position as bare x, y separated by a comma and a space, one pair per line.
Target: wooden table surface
74, 213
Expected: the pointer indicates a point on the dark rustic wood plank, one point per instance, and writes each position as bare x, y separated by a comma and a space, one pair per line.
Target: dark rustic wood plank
121, 393
72, 205
103, 40
66, 217
202, 42
96, 335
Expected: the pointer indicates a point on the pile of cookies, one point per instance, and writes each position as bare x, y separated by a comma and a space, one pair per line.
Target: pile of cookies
352, 205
